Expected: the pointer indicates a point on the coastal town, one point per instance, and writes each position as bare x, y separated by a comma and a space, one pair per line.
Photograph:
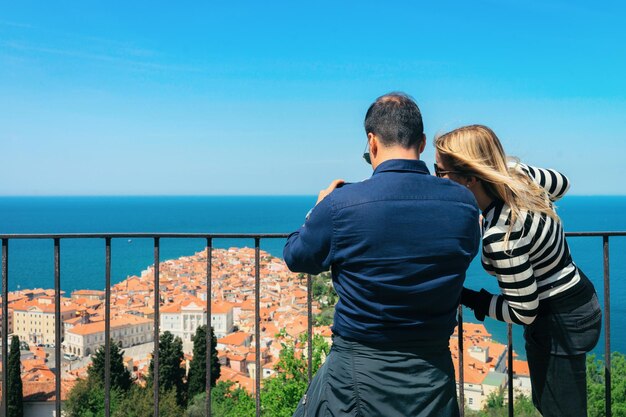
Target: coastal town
183, 308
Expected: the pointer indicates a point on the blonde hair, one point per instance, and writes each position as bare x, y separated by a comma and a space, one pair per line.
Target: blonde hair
476, 151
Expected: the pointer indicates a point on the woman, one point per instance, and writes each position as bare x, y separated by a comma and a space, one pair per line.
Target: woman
524, 247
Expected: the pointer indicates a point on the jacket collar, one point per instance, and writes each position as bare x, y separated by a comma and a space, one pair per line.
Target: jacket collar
402, 165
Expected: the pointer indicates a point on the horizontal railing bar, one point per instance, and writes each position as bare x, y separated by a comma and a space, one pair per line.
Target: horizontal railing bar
212, 235
594, 234
149, 235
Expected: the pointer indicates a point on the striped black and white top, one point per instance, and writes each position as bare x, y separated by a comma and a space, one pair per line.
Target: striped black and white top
536, 263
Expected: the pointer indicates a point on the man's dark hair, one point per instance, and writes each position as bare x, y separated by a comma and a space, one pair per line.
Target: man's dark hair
396, 120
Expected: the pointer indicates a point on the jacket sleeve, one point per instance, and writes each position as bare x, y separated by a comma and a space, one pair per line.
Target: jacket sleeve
555, 183
310, 248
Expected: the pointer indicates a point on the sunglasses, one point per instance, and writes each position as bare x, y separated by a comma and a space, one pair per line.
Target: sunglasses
366, 154
441, 173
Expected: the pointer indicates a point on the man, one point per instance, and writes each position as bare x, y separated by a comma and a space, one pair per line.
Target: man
398, 245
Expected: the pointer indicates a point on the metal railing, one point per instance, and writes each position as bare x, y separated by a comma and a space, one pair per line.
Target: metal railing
5, 239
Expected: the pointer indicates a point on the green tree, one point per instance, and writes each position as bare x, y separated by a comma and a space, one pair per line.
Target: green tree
495, 400
497, 406
171, 370
86, 399
120, 376
595, 385
524, 407
197, 369
281, 393
325, 317
14, 388
226, 401
139, 402
324, 294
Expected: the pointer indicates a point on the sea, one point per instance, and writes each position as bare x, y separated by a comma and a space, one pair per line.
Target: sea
31, 263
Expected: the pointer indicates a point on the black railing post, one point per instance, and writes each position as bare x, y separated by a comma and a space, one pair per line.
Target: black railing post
461, 373
257, 324
607, 328
309, 302
157, 301
107, 328
209, 327
510, 369
5, 326
57, 320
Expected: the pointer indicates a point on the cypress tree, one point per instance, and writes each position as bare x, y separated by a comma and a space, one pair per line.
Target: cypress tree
14, 388
120, 376
171, 372
196, 380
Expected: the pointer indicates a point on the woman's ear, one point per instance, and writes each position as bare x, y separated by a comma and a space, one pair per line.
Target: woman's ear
471, 182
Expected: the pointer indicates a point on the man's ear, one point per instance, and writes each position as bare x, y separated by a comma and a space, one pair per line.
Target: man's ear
422, 144
373, 141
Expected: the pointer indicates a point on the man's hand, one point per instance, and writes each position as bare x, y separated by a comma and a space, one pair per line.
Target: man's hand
330, 189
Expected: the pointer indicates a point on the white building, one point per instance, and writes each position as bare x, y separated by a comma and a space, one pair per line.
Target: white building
182, 318
126, 331
521, 378
222, 319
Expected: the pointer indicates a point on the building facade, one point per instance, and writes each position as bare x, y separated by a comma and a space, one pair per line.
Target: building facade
34, 320
84, 339
182, 318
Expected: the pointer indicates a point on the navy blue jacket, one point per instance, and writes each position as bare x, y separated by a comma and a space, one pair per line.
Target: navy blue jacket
398, 245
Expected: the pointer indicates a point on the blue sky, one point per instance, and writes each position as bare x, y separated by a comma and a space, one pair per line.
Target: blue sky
134, 98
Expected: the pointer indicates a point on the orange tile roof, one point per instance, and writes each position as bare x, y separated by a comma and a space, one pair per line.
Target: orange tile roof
222, 307
236, 339
25, 305
475, 335
170, 308
36, 391
98, 327
521, 368
240, 380
88, 292
269, 329
74, 320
